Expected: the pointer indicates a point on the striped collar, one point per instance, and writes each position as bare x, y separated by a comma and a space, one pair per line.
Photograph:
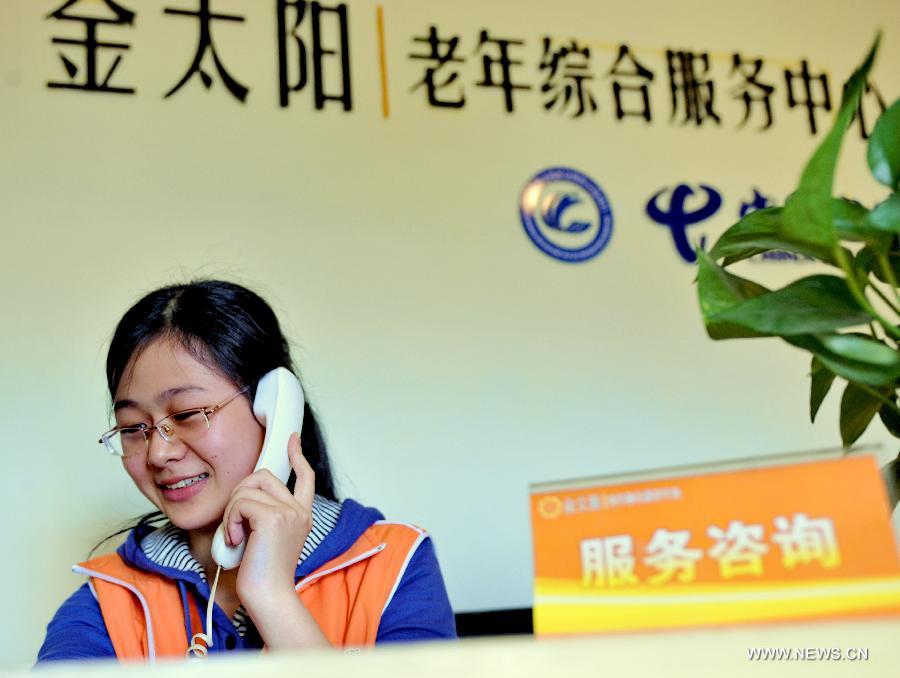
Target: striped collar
167, 546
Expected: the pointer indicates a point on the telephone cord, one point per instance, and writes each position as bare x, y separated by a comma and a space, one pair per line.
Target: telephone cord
201, 642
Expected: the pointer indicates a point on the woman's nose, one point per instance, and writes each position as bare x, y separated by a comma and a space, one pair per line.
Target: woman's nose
160, 451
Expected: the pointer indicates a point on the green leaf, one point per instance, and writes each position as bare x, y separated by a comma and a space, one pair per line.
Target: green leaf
811, 305
858, 407
866, 262
759, 232
890, 418
850, 223
718, 290
863, 264
849, 218
862, 348
886, 216
860, 372
821, 379
843, 366
808, 213
884, 149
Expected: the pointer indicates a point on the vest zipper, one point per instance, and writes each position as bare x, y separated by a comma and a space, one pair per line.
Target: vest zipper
341, 566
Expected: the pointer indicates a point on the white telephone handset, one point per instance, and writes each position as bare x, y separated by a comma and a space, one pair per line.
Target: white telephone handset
278, 406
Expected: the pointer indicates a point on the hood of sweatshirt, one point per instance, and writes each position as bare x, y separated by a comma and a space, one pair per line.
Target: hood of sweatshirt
353, 521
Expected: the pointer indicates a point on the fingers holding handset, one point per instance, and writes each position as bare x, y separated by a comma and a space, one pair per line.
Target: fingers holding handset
261, 495
305, 485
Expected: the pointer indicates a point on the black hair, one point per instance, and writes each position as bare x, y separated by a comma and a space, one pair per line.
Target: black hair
228, 328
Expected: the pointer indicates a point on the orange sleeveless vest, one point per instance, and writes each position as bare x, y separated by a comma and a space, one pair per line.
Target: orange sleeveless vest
346, 596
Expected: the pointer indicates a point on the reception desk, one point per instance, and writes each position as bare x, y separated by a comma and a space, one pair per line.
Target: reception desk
857, 648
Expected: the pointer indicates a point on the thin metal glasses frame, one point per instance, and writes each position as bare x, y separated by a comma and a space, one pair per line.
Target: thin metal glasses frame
165, 429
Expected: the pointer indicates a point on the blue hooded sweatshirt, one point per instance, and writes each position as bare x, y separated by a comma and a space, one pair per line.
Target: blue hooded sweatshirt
419, 609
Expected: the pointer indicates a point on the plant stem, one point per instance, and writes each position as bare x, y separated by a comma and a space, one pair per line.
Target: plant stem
841, 256
885, 299
888, 272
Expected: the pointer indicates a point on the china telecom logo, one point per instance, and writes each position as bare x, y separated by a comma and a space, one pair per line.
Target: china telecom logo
566, 214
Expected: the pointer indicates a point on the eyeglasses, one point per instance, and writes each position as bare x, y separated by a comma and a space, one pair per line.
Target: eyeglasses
186, 426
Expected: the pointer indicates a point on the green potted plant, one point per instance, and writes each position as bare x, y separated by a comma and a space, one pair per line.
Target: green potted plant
848, 319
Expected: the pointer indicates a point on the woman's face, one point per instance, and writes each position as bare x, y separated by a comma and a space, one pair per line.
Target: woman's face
164, 379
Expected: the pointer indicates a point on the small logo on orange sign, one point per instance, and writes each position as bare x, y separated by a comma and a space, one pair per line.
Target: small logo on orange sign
550, 507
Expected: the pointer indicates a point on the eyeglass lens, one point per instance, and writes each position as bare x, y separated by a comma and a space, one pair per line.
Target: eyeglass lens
186, 427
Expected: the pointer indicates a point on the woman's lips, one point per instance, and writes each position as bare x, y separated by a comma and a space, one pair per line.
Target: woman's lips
184, 493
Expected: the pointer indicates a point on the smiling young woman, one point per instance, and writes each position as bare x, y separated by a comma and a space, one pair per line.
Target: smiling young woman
182, 370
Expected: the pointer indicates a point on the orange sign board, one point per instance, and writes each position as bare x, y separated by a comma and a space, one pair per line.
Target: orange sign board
792, 541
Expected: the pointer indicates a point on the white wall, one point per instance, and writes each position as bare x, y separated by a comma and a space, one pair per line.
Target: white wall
451, 361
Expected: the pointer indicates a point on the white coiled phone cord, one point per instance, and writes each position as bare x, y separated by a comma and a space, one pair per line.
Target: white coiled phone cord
201, 642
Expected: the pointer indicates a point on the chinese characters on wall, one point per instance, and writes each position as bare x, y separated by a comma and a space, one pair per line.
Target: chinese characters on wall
569, 77
309, 36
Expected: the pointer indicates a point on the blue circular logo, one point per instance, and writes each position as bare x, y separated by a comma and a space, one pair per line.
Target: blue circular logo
566, 214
